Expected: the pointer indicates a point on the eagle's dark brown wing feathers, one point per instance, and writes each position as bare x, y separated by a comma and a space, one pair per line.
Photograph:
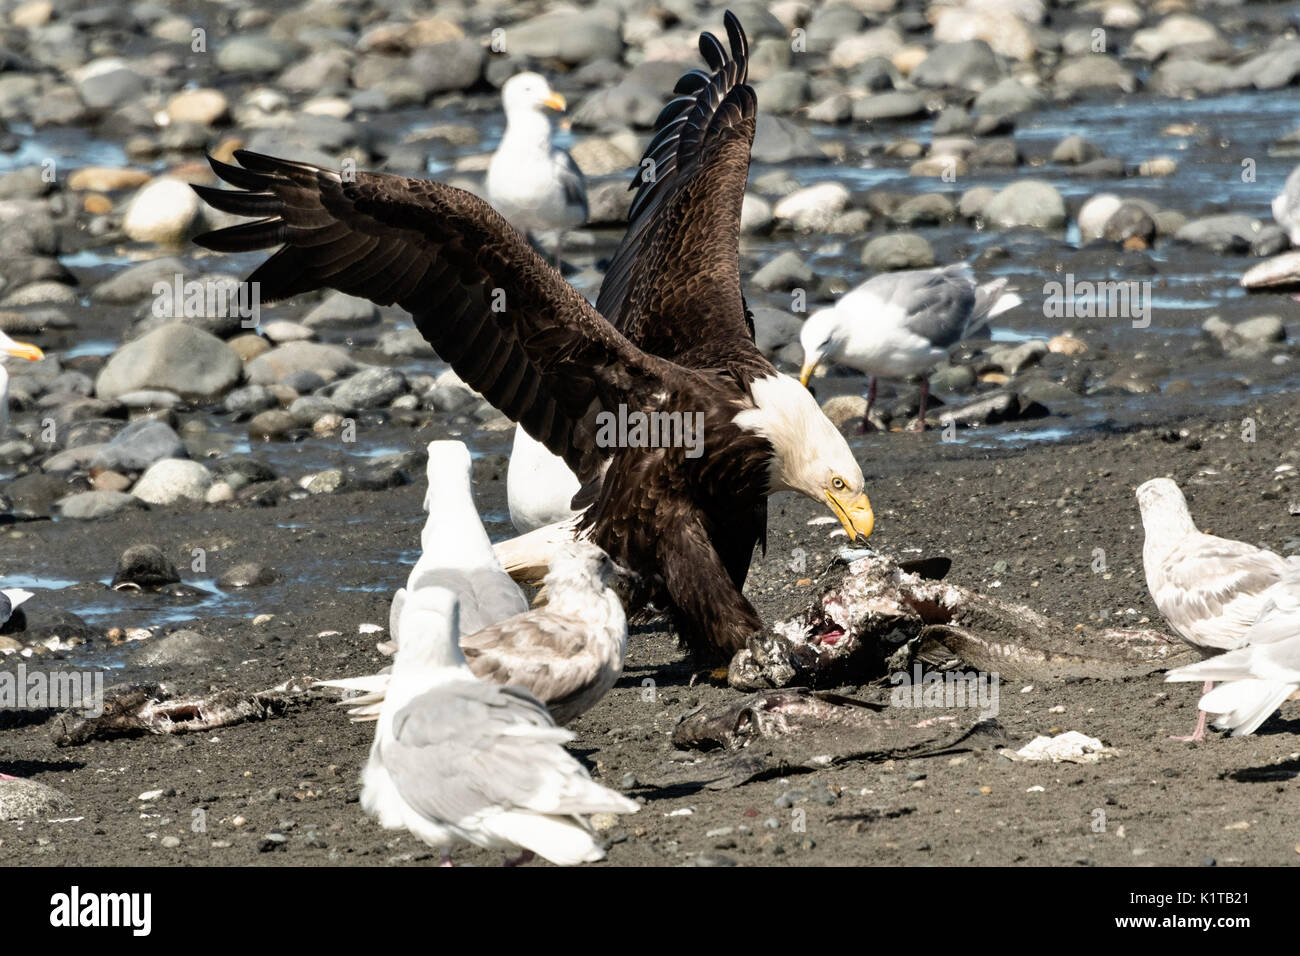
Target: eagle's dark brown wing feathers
674, 283
509, 325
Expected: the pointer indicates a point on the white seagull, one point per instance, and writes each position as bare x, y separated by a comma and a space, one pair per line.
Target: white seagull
10, 598
455, 551
568, 653
539, 485
1286, 207
536, 186
1209, 589
1260, 675
899, 324
457, 760
19, 350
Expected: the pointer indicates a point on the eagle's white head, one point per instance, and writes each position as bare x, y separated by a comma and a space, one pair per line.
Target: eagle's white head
810, 455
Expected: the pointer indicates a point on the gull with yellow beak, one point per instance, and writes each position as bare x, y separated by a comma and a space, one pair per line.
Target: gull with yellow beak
19, 350
536, 186
902, 324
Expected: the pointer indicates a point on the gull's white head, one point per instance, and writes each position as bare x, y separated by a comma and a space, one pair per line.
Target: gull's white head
449, 466
1164, 509
430, 628
580, 561
821, 338
810, 455
19, 350
529, 92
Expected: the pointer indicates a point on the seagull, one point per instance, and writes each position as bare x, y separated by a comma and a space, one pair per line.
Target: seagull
1259, 675
539, 485
20, 350
1286, 207
457, 760
456, 552
535, 185
568, 654
10, 598
901, 324
1210, 590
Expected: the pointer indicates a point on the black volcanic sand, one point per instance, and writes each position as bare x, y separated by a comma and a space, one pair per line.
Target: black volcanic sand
1029, 518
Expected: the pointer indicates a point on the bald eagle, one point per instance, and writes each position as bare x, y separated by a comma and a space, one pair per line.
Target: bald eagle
671, 336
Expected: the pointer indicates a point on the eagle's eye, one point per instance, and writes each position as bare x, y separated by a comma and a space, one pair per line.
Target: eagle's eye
838, 483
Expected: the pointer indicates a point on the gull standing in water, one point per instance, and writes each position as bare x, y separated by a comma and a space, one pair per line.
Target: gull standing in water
457, 760
1210, 590
536, 186
1260, 675
899, 324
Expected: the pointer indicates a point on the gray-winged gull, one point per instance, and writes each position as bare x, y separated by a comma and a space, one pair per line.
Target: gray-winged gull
900, 324
1261, 675
457, 760
455, 551
1209, 589
19, 350
536, 186
567, 653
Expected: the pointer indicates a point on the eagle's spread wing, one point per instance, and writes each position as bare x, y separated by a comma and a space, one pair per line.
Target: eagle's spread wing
506, 321
674, 283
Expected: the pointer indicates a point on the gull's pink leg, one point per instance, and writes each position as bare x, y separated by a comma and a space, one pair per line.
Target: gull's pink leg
526, 857
446, 860
5, 776
871, 400
925, 397
1199, 733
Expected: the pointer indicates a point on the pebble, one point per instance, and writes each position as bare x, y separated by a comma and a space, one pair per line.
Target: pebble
177, 358
163, 212
173, 480
30, 800
247, 575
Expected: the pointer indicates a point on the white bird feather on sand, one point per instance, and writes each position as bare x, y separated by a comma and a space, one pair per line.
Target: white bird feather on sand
19, 350
535, 185
1209, 589
1259, 676
457, 760
900, 324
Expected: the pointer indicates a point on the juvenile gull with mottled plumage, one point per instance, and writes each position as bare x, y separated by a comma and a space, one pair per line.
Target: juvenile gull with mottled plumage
568, 653
457, 760
1259, 676
1209, 589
